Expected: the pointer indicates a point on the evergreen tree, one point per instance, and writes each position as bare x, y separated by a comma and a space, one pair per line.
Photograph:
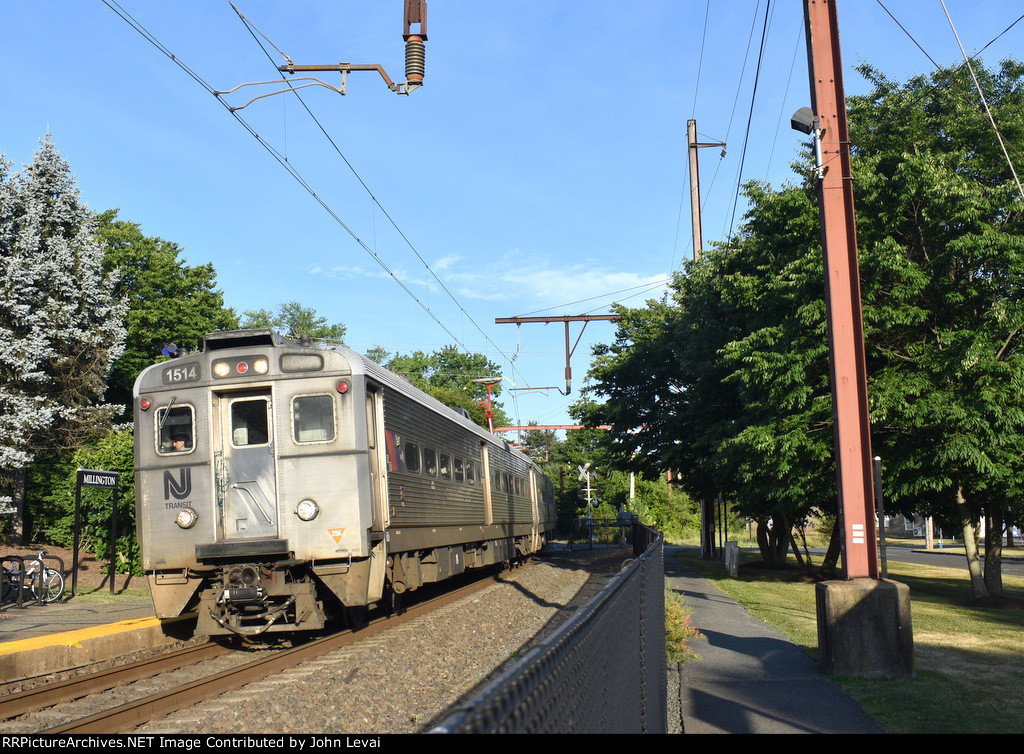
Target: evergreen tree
61, 326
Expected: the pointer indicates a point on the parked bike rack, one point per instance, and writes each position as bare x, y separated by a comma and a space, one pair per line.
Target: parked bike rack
14, 578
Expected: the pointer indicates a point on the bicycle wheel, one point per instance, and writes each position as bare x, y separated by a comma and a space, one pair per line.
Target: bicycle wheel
48, 586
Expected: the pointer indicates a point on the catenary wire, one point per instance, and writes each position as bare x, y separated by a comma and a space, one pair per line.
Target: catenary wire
254, 31
146, 34
750, 115
272, 151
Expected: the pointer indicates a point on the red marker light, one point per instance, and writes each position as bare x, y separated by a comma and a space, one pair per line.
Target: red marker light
144, 404
242, 367
343, 387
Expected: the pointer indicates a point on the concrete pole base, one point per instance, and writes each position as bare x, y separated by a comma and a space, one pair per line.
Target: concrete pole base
864, 628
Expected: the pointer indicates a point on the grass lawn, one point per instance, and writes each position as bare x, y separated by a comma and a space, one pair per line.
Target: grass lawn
969, 661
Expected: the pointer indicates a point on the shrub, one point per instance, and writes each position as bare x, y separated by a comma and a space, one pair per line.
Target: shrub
678, 631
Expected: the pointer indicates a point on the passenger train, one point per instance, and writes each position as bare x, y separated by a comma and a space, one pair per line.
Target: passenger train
281, 484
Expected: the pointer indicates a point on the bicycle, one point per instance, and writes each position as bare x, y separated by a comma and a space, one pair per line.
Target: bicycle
47, 583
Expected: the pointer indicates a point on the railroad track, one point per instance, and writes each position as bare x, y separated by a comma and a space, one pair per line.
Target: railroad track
123, 717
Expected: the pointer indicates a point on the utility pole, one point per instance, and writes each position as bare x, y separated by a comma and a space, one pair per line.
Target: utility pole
842, 294
692, 146
584, 318
864, 626
707, 511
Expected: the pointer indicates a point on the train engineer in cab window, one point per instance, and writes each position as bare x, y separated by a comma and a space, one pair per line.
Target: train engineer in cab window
176, 429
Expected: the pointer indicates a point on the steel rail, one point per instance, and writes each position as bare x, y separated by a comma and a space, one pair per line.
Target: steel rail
83, 685
133, 714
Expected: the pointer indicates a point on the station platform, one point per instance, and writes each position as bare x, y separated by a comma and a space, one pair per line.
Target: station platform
39, 639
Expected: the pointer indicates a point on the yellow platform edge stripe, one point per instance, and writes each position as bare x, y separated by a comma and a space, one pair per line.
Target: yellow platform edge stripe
76, 637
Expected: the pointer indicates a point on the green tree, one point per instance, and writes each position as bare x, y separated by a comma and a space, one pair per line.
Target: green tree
61, 325
728, 380
168, 300
296, 320
622, 486
542, 445
942, 229
453, 377
114, 452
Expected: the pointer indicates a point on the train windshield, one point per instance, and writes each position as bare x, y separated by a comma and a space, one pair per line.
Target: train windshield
313, 418
175, 429
249, 423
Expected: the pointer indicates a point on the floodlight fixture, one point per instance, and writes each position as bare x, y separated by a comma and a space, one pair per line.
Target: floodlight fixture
805, 121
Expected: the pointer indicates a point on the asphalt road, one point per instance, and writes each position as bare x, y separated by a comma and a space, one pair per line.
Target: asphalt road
943, 556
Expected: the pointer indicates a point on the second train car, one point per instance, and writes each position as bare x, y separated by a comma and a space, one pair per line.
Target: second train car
280, 484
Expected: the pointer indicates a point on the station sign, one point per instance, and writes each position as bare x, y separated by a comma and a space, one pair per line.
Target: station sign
106, 480
92, 478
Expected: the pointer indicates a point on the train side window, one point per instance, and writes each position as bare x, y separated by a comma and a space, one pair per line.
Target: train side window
460, 475
412, 458
446, 467
249, 425
176, 429
313, 418
429, 462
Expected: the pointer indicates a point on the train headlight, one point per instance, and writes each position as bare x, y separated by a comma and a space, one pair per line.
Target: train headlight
221, 369
307, 510
186, 518
260, 366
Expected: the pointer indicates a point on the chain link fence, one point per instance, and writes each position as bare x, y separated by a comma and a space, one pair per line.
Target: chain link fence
603, 530
603, 671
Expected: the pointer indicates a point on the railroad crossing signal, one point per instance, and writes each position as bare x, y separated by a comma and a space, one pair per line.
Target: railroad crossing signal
583, 470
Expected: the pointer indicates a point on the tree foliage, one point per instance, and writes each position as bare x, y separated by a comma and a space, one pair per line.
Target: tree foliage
943, 228
296, 320
169, 302
114, 452
727, 380
451, 376
61, 324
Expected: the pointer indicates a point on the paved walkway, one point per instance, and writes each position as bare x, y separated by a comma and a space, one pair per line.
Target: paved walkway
752, 678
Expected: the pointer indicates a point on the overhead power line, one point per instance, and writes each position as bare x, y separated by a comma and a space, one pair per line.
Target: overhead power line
297, 176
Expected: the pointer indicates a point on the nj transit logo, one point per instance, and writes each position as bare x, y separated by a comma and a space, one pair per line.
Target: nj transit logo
179, 488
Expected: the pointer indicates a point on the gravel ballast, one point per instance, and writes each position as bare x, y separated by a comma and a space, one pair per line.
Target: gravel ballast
406, 680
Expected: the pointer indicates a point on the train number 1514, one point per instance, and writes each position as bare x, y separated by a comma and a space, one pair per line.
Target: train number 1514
180, 373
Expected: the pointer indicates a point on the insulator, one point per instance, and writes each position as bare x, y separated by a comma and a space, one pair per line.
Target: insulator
415, 60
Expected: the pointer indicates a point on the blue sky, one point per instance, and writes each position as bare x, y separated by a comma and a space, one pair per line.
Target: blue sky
541, 170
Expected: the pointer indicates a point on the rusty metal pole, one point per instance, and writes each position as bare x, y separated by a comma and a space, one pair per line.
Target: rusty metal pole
842, 295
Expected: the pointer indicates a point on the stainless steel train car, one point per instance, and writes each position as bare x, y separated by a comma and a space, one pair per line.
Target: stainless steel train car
281, 484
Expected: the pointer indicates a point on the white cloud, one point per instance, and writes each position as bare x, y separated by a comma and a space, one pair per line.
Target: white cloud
538, 282
533, 283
